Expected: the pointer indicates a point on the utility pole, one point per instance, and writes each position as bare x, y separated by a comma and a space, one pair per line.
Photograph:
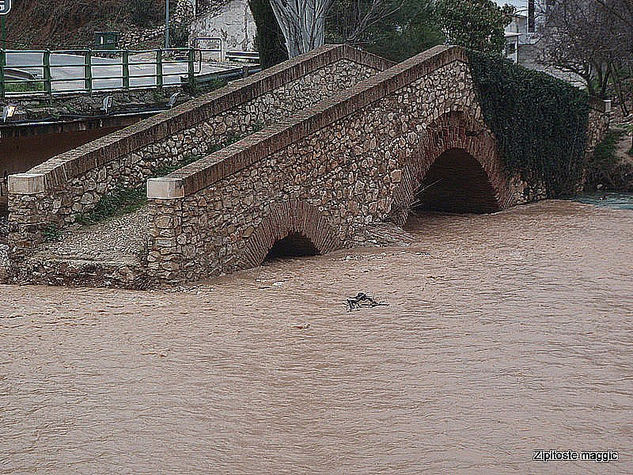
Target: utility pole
3, 25
166, 23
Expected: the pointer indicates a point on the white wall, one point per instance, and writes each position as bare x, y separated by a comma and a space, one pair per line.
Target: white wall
232, 22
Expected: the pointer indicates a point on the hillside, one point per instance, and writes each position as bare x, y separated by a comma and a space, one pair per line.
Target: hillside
57, 23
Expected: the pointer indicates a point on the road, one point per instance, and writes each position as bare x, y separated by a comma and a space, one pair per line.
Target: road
68, 70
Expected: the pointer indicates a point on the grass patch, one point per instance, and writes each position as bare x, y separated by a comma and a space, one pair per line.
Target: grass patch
123, 201
117, 203
24, 87
166, 170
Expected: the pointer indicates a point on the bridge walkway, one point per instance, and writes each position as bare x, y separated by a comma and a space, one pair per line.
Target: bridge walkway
108, 253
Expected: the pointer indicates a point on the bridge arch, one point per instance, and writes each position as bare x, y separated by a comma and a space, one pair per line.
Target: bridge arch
291, 228
457, 167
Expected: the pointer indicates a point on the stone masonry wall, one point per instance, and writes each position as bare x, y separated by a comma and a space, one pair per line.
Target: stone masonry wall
56, 192
330, 172
599, 119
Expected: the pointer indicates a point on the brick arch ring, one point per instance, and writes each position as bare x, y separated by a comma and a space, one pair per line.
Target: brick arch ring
286, 218
453, 130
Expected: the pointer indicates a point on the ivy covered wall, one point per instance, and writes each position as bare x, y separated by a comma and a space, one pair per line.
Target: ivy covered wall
540, 122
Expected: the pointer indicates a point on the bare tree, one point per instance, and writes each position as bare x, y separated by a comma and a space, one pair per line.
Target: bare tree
354, 21
621, 9
302, 23
591, 38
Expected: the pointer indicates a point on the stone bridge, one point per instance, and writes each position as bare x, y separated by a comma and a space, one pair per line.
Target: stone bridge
332, 144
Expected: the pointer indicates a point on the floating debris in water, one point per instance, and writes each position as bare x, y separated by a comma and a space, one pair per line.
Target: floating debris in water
362, 300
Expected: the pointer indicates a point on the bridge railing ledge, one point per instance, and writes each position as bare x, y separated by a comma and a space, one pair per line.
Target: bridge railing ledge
165, 188
26, 183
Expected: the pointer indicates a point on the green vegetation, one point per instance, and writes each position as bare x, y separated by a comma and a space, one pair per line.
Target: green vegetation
605, 168
406, 27
117, 203
540, 122
166, 170
197, 87
52, 233
25, 87
144, 13
475, 24
269, 40
178, 35
61, 24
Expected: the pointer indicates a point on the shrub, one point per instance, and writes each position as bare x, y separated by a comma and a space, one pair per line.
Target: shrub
196, 88
477, 24
144, 13
606, 168
178, 35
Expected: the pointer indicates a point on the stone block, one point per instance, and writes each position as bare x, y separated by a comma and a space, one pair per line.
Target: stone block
165, 188
26, 183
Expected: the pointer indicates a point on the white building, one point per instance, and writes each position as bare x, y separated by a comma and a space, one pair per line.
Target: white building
526, 23
512, 46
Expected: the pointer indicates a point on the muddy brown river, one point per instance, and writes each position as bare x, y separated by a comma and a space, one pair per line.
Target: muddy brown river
504, 333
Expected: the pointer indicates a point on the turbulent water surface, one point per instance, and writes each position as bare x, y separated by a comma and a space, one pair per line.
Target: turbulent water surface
503, 334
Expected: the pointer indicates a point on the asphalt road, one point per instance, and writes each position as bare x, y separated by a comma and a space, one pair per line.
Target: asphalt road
70, 69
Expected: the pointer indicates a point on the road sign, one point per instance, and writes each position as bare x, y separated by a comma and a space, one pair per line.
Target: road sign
5, 7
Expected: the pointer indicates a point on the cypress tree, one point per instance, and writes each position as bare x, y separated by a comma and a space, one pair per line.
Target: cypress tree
269, 40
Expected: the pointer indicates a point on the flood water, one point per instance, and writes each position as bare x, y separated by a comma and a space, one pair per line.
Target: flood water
503, 334
607, 199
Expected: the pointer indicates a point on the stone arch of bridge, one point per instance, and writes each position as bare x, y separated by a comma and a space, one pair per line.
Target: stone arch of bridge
457, 167
292, 228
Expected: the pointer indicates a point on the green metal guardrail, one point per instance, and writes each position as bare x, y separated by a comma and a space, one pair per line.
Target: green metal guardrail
161, 58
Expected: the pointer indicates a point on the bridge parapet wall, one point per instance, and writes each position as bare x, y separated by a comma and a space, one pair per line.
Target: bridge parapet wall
334, 168
54, 193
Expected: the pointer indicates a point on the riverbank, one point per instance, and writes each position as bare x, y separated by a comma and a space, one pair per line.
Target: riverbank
504, 333
610, 167
4, 260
